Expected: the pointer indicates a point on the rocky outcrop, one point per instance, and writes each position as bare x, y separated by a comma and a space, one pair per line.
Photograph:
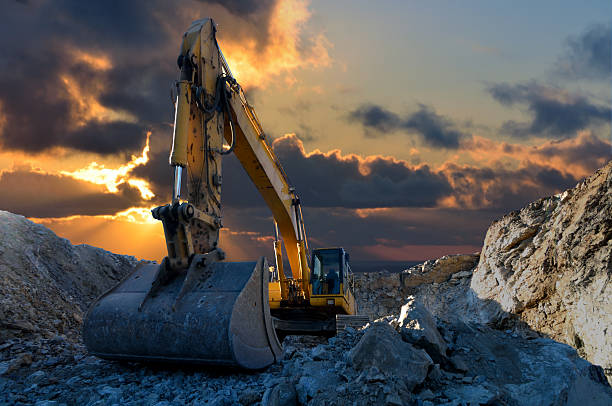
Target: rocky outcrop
439, 270
378, 294
551, 264
383, 293
46, 283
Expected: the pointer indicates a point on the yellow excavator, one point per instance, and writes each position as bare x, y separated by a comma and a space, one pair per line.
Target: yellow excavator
195, 306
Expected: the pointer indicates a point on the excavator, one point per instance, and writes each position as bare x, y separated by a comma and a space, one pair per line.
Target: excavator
196, 306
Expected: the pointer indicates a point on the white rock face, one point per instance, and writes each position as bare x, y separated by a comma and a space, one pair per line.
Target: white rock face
551, 264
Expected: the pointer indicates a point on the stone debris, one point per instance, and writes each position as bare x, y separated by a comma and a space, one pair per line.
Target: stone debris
440, 341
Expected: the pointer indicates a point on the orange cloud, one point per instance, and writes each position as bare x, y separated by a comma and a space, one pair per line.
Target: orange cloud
99, 174
97, 61
576, 156
86, 107
284, 52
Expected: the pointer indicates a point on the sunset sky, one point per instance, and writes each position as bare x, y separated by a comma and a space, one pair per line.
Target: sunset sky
406, 127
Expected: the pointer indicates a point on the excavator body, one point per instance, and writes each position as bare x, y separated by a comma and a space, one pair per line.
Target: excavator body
197, 307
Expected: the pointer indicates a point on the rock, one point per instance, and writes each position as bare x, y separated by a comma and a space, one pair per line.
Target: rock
527, 372
472, 395
36, 377
438, 271
426, 395
20, 360
550, 263
378, 293
435, 374
463, 274
46, 403
319, 353
249, 397
459, 363
393, 400
283, 394
382, 347
418, 327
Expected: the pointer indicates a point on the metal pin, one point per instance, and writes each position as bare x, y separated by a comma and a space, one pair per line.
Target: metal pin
176, 192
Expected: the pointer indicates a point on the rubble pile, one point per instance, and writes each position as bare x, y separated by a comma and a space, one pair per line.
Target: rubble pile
413, 359
509, 326
46, 283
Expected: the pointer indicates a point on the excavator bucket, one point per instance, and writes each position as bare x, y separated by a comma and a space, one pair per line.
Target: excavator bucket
220, 317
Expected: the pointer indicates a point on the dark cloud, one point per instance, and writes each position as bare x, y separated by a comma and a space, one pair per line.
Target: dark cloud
328, 180
554, 112
353, 230
244, 7
139, 41
322, 180
435, 130
588, 55
349, 181
34, 194
375, 117
505, 189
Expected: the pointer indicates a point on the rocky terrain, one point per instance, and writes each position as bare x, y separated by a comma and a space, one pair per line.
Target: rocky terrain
509, 326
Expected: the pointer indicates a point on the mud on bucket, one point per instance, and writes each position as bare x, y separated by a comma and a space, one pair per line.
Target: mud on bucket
223, 319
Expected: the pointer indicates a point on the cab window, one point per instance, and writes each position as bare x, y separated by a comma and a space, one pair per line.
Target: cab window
326, 272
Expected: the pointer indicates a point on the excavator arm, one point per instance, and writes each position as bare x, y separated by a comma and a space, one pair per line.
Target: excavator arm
211, 106
267, 174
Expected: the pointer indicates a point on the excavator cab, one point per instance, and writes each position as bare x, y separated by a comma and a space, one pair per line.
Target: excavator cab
331, 283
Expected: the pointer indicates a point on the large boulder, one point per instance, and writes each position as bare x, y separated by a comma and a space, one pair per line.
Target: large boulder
418, 327
381, 347
551, 263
